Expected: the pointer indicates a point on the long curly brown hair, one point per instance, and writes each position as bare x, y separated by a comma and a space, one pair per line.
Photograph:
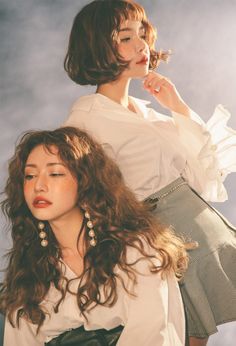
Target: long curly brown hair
92, 56
119, 220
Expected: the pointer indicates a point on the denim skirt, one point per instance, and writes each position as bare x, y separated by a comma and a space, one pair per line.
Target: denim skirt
209, 285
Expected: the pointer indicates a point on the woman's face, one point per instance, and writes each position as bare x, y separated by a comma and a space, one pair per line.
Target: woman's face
133, 47
50, 189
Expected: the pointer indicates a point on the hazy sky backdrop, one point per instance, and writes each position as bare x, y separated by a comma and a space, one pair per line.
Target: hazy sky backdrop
35, 92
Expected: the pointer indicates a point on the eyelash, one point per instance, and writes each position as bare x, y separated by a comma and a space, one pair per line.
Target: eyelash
127, 39
56, 174
31, 176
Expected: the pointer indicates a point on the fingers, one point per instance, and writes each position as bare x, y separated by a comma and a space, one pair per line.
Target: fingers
191, 245
165, 93
155, 81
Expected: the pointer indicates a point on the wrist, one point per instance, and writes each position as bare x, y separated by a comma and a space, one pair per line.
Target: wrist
182, 109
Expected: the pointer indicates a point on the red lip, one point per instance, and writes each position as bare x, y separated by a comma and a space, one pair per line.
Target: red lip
41, 202
144, 60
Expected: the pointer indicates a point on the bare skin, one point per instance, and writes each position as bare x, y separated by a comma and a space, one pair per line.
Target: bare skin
132, 47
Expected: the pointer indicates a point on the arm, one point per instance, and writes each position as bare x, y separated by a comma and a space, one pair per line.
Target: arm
211, 150
210, 147
155, 316
25, 335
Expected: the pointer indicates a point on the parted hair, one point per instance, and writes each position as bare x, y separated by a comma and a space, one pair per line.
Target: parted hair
92, 56
120, 221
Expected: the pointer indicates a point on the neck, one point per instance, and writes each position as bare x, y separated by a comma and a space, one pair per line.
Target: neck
117, 91
66, 231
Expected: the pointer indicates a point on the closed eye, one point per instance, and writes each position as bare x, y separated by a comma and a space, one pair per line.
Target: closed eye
56, 174
125, 39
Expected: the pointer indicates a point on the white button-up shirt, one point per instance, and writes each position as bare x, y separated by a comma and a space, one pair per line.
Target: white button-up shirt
153, 317
152, 149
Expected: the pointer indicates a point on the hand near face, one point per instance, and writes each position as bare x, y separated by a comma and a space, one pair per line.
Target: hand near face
165, 93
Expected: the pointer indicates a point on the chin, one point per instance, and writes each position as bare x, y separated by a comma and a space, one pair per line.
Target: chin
41, 215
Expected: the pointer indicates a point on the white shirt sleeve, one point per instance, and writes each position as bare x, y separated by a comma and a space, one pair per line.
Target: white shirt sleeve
211, 151
25, 335
155, 315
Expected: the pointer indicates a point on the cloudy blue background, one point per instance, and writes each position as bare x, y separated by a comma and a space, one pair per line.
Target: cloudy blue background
35, 92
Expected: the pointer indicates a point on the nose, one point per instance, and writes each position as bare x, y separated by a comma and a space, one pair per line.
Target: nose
41, 184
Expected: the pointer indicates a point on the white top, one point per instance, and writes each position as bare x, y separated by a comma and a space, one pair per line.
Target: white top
155, 317
152, 149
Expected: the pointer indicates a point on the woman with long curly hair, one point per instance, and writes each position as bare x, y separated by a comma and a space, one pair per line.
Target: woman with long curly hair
176, 163
89, 264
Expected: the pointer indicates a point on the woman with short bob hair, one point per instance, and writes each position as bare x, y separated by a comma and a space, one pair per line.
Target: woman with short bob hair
92, 57
177, 164
89, 264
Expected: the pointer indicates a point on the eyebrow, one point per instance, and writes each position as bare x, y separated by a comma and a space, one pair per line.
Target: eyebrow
48, 164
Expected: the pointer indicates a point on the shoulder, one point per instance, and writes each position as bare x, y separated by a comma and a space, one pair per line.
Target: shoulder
81, 111
85, 103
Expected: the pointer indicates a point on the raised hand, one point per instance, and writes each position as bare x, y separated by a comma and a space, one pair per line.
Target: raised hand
165, 93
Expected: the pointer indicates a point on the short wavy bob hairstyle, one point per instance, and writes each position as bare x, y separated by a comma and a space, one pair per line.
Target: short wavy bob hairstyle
92, 56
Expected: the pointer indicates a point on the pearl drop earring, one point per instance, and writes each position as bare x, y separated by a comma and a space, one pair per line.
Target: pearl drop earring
42, 234
91, 233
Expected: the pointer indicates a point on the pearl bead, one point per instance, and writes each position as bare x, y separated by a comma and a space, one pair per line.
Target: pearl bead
87, 215
42, 234
90, 224
44, 243
93, 242
41, 225
91, 233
